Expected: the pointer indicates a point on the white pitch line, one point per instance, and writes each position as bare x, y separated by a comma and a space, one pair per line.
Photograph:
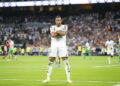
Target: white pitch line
107, 66
59, 81
117, 85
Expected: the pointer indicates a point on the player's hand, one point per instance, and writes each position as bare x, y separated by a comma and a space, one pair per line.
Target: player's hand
59, 31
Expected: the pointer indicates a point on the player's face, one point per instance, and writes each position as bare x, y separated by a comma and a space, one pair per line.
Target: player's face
58, 21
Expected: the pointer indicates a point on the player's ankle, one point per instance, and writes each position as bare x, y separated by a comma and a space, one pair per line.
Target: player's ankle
68, 80
48, 78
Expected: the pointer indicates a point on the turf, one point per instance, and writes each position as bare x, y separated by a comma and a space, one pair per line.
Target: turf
31, 70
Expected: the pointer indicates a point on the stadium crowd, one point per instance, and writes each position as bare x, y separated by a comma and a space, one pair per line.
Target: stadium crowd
31, 34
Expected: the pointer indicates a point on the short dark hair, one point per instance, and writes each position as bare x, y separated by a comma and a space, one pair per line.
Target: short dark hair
57, 17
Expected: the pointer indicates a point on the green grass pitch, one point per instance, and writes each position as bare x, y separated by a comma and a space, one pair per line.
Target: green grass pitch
31, 70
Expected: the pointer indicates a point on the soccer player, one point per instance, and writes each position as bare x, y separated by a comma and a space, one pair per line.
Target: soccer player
58, 47
11, 47
110, 49
84, 52
87, 46
5, 51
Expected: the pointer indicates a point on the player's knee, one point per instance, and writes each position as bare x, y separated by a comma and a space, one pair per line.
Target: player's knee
64, 58
52, 59
65, 62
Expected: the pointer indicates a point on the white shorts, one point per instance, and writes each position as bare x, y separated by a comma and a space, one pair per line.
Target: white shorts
58, 52
110, 52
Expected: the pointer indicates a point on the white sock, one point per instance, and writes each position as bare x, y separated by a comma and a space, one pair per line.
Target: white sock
49, 70
67, 69
109, 60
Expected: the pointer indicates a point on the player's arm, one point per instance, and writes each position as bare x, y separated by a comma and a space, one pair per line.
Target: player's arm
64, 31
106, 44
53, 32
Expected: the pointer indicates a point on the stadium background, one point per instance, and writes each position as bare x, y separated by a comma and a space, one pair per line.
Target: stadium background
28, 27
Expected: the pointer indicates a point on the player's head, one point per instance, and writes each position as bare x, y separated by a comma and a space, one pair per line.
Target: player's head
58, 20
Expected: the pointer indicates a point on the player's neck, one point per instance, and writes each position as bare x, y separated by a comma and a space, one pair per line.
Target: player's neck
58, 25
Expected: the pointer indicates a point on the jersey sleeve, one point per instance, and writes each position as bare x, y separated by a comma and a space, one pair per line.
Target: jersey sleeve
52, 29
65, 28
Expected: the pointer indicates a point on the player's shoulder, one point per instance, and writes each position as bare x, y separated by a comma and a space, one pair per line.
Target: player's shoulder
107, 41
112, 41
12, 41
64, 25
52, 26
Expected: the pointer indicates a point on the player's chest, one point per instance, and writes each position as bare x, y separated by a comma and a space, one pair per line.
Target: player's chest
59, 28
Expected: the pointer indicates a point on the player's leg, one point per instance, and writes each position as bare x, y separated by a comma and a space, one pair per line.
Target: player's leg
12, 54
4, 54
89, 54
109, 57
9, 55
84, 55
52, 55
112, 53
67, 68
64, 55
51, 60
57, 64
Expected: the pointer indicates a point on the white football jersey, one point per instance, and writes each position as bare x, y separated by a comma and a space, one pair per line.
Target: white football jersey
11, 45
87, 46
61, 40
110, 44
